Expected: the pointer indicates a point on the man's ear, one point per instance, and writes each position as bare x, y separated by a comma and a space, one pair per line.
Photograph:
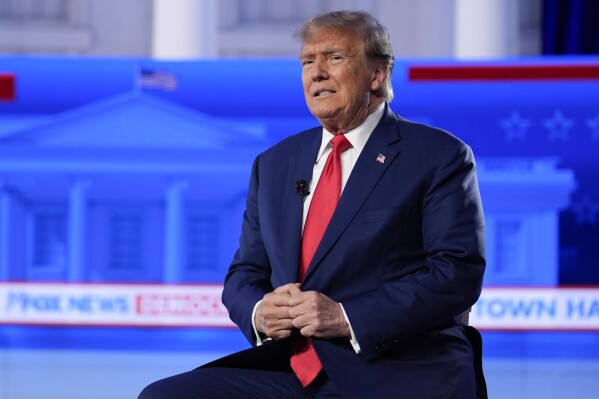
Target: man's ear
379, 77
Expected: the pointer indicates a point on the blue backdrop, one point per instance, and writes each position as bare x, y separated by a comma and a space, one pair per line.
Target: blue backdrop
247, 105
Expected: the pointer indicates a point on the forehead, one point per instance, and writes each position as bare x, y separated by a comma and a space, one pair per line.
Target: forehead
331, 40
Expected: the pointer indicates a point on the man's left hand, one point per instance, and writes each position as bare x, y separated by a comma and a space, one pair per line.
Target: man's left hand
317, 315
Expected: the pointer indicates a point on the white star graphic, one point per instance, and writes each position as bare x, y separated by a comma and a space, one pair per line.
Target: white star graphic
593, 124
515, 127
558, 126
586, 210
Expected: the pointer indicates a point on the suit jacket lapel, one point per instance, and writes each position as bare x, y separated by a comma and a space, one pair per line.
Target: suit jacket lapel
301, 165
364, 177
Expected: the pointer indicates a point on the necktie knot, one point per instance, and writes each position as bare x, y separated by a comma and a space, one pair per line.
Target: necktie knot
340, 143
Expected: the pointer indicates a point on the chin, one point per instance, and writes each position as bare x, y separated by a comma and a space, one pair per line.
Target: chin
322, 113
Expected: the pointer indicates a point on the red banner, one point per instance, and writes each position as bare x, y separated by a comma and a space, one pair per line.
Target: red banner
7, 86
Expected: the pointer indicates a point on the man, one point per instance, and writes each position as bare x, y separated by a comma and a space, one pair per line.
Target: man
359, 294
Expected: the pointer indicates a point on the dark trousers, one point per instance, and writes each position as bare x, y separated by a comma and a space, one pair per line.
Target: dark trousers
264, 374
235, 383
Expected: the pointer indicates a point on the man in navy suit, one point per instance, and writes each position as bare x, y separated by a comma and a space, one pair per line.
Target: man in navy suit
378, 303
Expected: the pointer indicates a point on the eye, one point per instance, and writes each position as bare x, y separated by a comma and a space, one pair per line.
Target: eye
307, 62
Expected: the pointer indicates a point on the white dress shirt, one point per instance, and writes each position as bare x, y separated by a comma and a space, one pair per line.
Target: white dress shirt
358, 138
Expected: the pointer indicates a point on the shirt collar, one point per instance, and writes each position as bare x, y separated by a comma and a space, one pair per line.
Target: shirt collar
357, 136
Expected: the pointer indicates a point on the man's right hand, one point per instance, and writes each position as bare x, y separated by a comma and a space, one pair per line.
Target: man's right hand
272, 315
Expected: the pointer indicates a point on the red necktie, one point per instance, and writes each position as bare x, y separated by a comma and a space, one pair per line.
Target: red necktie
304, 361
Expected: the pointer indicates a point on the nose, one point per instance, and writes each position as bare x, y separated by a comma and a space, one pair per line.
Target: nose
319, 70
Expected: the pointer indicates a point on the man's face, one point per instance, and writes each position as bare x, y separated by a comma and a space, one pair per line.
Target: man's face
337, 79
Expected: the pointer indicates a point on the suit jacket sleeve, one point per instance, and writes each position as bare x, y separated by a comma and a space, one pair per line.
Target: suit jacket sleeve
249, 275
448, 280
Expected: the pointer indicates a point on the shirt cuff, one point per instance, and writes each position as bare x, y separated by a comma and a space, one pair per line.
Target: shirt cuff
259, 336
352, 340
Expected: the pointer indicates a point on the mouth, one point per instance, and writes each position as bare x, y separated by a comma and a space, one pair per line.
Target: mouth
323, 93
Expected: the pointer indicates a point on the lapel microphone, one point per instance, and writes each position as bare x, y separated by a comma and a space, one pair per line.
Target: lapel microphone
301, 187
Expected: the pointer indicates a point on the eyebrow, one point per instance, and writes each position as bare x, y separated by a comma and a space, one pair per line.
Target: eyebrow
326, 51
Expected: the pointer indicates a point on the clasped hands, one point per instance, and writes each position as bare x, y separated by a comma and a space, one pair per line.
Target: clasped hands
288, 308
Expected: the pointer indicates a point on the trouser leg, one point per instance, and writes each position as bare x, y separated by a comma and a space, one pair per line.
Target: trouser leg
227, 383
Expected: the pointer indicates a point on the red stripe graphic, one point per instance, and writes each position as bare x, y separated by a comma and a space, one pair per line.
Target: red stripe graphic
7, 87
512, 72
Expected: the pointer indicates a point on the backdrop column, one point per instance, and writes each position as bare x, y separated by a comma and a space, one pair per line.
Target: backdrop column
184, 29
486, 28
5, 232
76, 230
173, 231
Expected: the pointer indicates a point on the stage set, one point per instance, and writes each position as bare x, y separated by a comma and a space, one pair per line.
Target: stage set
123, 181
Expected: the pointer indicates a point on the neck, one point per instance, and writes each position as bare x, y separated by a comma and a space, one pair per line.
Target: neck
341, 127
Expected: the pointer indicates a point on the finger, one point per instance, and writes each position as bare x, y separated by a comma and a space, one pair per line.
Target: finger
295, 289
304, 297
282, 334
308, 331
298, 310
279, 329
273, 317
299, 321
278, 325
285, 289
274, 313
276, 299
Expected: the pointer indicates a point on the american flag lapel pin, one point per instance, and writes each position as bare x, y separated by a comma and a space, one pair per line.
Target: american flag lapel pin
381, 158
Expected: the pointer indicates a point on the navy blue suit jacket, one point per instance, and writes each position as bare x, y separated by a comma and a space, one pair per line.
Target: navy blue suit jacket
403, 253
